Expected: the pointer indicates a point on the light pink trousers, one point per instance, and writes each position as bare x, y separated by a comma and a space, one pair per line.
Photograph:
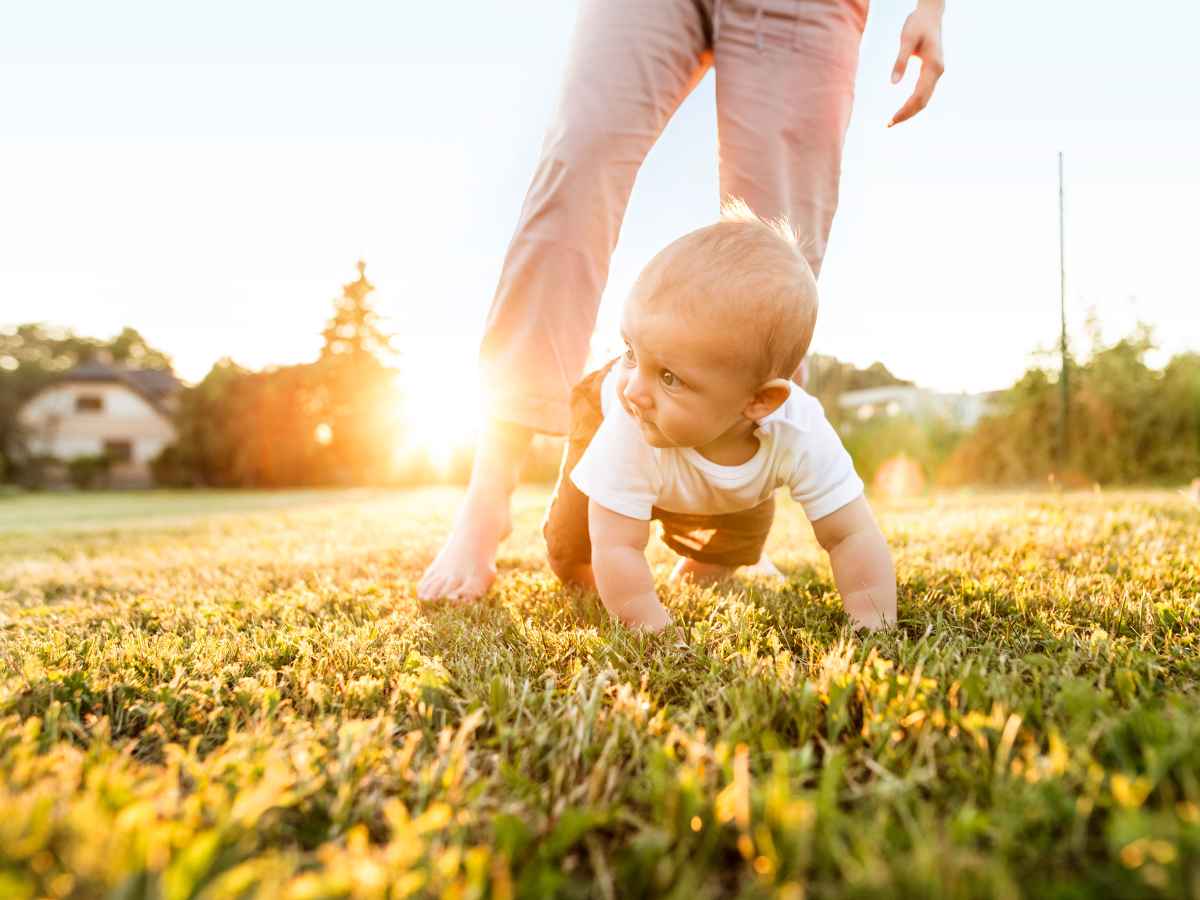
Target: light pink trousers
785, 85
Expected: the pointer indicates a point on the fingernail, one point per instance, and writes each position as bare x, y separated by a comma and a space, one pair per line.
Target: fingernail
895, 77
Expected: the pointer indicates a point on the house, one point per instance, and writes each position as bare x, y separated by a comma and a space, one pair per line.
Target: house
963, 410
101, 408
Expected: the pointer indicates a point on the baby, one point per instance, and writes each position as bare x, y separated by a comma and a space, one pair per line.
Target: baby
698, 423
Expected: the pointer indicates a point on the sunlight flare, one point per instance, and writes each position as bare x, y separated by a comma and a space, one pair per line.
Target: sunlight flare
439, 391
899, 477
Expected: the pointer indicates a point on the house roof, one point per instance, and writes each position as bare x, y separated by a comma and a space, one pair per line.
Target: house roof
161, 383
156, 386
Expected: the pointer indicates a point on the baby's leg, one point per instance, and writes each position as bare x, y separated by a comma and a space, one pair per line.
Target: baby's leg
700, 572
568, 542
707, 573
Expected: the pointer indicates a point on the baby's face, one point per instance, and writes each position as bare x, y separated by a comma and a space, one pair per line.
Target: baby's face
681, 380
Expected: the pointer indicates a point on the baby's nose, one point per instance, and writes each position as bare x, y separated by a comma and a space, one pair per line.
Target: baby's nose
636, 393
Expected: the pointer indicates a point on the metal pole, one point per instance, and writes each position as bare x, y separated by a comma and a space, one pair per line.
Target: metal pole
1064, 414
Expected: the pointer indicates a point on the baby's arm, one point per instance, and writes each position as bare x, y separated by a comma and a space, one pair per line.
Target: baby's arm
619, 566
862, 564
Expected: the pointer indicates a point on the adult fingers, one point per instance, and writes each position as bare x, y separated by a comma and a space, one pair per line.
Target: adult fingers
931, 71
907, 46
911, 107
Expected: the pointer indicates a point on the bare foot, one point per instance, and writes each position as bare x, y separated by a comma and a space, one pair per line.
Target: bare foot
764, 568
699, 572
707, 573
466, 566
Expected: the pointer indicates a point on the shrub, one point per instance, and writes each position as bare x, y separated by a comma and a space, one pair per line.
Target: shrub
928, 441
86, 471
34, 472
169, 468
1128, 423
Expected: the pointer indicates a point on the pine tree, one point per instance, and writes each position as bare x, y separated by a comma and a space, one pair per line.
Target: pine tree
355, 393
354, 329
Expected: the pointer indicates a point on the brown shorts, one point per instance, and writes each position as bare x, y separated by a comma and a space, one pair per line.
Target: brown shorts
732, 539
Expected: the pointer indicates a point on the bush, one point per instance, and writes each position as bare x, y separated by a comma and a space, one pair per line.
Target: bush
87, 471
928, 441
33, 473
1128, 423
169, 468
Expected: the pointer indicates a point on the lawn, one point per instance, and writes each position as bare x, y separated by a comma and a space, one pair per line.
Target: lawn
228, 695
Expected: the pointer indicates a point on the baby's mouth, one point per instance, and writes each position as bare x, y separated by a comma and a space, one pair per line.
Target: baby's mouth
641, 420
637, 416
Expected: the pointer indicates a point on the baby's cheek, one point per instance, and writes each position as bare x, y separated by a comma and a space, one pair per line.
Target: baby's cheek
674, 427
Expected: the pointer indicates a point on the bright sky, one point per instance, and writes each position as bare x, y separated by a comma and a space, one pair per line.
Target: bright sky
209, 173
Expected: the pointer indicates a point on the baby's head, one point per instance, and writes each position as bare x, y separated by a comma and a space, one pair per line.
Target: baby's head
714, 327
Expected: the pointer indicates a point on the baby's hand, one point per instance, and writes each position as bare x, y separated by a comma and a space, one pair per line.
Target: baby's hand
619, 566
862, 564
865, 614
644, 612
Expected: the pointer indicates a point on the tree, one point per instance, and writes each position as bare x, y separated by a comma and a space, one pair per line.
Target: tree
358, 403
1129, 422
209, 421
131, 349
353, 332
332, 421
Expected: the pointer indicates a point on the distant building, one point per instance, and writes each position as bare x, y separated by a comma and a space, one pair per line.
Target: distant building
99, 407
964, 410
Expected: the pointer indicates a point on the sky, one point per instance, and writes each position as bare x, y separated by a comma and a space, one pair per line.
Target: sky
210, 174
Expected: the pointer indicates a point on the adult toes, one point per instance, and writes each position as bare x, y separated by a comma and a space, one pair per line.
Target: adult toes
452, 589
469, 590
431, 587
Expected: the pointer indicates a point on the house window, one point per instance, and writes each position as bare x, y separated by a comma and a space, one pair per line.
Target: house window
89, 403
119, 451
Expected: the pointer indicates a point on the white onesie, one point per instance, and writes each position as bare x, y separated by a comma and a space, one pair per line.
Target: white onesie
798, 448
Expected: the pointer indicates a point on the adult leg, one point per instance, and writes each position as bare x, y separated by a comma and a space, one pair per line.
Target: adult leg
785, 87
631, 64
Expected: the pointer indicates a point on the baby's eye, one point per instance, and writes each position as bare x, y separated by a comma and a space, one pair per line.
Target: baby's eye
628, 355
669, 379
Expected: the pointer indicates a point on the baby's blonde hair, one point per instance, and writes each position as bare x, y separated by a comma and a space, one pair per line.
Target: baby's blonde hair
752, 275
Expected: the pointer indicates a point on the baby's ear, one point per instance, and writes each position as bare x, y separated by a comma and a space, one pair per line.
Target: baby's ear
768, 398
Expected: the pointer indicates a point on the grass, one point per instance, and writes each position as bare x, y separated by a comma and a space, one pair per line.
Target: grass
215, 695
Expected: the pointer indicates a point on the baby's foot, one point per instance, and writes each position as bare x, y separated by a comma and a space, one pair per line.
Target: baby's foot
764, 568
699, 572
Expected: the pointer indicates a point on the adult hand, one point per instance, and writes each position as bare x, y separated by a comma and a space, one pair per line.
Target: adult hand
921, 37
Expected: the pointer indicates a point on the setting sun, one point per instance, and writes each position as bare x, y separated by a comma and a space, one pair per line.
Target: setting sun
438, 386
